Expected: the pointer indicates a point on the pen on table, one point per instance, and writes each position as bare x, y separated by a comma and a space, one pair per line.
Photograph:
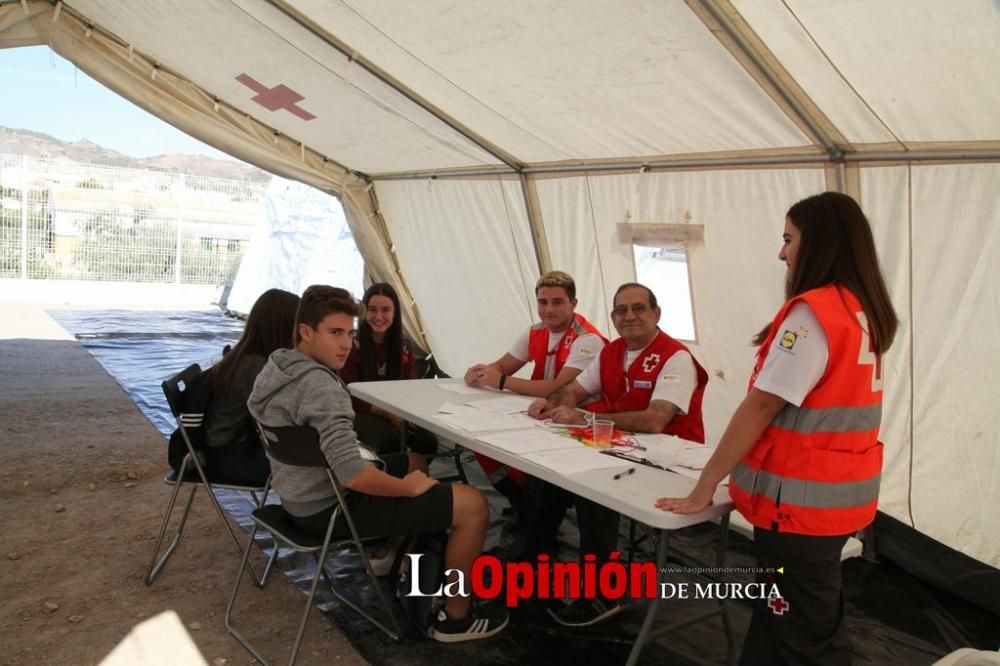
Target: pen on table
622, 475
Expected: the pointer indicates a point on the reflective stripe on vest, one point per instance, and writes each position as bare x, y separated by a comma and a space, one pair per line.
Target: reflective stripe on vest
799, 492
832, 419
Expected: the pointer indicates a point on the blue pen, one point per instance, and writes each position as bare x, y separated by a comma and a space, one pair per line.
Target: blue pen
622, 475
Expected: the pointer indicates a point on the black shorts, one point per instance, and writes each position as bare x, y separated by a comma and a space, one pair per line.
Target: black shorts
380, 516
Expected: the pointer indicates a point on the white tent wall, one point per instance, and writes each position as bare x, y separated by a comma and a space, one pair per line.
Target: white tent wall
736, 278
885, 198
892, 69
938, 232
466, 248
345, 100
956, 316
619, 79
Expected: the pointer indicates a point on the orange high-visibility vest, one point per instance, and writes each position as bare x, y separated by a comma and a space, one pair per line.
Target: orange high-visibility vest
816, 468
538, 345
631, 390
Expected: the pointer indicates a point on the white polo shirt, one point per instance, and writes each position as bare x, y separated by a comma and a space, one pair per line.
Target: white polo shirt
791, 371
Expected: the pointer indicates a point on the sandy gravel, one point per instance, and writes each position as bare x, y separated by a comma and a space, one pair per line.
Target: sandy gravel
81, 496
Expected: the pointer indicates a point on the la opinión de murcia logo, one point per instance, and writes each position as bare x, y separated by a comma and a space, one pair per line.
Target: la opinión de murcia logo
490, 578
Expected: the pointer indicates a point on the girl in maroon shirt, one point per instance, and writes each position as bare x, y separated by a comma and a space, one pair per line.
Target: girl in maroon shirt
381, 352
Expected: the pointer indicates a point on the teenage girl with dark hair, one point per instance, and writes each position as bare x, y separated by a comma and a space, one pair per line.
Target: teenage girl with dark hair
234, 451
802, 449
381, 352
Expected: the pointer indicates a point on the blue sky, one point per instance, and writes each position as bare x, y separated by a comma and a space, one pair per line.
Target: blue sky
45, 93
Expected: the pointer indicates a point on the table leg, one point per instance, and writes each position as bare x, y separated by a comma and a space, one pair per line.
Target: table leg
727, 624
654, 604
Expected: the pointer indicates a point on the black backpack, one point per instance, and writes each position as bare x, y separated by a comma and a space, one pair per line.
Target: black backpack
195, 400
421, 610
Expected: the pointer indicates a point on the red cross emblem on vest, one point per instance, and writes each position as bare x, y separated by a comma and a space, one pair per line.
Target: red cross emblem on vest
778, 605
650, 362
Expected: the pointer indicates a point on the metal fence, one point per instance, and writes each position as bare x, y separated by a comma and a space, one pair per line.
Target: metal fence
63, 220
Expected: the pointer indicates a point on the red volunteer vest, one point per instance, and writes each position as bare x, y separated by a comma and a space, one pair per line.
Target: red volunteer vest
816, 469
538, 345
632, 390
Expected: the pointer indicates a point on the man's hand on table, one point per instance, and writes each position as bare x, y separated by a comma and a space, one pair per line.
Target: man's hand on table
487, 377
472, 374
540, 408
567, 415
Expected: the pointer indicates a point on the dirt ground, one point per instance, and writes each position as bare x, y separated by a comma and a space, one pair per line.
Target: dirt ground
81, 498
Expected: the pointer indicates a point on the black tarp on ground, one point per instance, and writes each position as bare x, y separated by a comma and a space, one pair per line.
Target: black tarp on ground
893, 617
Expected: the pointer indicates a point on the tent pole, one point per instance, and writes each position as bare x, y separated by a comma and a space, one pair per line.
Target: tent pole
764, 66
538, 237
817, 159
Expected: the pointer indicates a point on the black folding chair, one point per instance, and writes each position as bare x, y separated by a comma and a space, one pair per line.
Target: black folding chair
188, 394
299, 446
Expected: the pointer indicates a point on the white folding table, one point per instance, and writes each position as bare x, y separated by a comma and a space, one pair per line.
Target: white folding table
418, 400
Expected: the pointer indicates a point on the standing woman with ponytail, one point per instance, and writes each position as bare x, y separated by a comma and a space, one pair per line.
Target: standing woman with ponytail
381, 352
802, 449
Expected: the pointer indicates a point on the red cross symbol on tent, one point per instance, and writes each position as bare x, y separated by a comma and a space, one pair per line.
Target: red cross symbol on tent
276, 98
778, 605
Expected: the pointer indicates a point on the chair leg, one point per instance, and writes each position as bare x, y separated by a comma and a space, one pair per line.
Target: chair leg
393, 633
309, 601
258, 580
270, 565
230, 627
262, 581
459, 466
157, 564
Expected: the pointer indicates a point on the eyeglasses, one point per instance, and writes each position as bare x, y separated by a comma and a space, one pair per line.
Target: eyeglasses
622, 310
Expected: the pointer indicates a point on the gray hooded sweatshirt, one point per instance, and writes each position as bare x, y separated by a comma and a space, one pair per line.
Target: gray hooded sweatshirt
293, 389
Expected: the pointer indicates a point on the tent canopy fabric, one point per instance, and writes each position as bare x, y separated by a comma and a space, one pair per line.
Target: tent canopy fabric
475, 144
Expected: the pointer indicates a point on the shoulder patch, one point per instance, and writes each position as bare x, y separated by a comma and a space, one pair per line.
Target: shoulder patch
788, 339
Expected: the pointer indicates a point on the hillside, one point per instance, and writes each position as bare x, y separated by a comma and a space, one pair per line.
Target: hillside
43, 146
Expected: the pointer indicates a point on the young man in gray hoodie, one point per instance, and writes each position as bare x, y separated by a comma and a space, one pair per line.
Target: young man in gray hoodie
299, 387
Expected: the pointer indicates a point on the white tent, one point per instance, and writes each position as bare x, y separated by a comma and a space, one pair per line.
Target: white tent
476, 143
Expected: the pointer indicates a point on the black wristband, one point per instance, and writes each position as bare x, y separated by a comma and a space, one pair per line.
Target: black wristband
503, 381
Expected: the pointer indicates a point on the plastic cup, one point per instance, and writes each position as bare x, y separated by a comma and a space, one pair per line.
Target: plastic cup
602, 433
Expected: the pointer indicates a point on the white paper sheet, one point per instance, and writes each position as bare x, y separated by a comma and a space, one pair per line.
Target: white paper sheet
530, 441
449, 408
574, 461
670, 452
508, 404
480, 420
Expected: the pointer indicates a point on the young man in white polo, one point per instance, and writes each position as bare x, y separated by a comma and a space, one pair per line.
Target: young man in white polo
560, 345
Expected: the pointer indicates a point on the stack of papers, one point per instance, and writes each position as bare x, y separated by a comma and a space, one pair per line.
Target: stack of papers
674, 454
575, 461
468, 418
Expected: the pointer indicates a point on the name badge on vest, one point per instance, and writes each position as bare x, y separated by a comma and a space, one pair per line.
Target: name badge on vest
643, 384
